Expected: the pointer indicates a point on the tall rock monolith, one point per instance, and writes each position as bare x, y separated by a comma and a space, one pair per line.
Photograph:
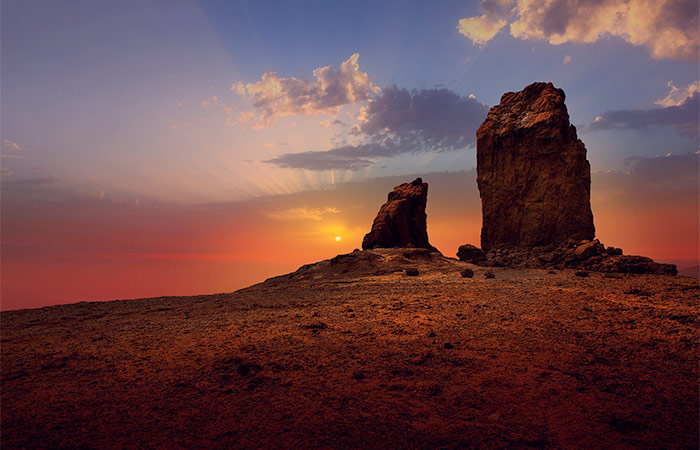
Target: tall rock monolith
401, 221
533, 176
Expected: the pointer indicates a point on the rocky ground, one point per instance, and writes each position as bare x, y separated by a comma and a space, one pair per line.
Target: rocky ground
355, 353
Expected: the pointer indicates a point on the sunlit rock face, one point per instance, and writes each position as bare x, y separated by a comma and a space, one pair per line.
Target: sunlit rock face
533, 176
401, 221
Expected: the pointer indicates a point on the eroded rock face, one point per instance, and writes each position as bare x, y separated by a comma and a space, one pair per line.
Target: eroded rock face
401, 221
533, 176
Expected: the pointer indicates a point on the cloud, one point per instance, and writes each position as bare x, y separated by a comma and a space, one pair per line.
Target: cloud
566, 60
668, 168
480, 29
677, 96
684, 117
338, 158
11, 150
9, 145
399, 121
29, 183
300, 214
213, 100
275, 97
668, 28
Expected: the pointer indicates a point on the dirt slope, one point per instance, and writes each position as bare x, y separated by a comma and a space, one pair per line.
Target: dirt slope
351, 354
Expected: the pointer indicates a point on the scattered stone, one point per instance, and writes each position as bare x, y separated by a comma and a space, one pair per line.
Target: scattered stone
431, 334
467, 273
637, 291
471, 254
552, 272
315, 326
581, 273
489, 275
533, 176
448, 346
412, 272
401, 221
248, 369
358, 375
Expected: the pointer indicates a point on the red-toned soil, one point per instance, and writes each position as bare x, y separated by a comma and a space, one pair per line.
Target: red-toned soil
339, 357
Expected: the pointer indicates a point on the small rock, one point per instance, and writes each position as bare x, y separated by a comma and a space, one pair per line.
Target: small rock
431, 334
581, 273
467, 273
358, 375
552, 272
248, 369
315, 326
412, 272
448, 346
489, 275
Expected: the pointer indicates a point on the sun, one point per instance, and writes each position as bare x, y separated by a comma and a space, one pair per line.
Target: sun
337, 239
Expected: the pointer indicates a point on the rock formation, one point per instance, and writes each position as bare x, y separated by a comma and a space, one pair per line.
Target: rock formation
535, 183
401, 221
533, 176
590, 255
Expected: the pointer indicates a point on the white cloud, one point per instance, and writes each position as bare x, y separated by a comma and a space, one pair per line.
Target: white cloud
677, 96
480, 29
275, 97
668, 28
566, 61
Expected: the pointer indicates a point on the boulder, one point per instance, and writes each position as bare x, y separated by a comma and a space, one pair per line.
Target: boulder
471, 254
533, 176
401, 221
467, 273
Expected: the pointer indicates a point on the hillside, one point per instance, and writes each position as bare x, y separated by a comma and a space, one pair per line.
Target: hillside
353, 353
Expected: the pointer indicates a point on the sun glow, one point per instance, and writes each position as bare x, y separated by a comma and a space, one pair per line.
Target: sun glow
337, 239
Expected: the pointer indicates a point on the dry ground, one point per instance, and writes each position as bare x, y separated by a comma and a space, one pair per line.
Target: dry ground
341, 359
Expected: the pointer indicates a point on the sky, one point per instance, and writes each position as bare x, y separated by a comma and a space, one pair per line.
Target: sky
189, 147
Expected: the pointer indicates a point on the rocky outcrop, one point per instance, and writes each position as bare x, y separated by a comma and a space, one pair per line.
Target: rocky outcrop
590, 255
401, 221
533, 176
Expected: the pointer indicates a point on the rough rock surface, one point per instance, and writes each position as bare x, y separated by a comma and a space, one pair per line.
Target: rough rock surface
590, 255
329, 358
471, 254
401, 221
533, 176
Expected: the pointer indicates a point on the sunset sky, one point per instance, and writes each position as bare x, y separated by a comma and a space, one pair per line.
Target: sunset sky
190, 147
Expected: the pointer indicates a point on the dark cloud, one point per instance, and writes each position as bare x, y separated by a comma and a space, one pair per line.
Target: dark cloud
29, 183
399, 121
684, 117
669, 168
